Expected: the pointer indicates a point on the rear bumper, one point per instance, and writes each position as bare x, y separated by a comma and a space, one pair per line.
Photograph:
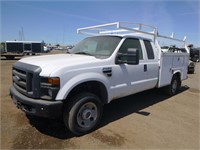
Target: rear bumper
36, 107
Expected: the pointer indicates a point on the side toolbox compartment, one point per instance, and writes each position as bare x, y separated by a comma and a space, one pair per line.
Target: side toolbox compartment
170, 64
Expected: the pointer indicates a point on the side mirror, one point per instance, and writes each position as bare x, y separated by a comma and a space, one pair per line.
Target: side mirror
131, 57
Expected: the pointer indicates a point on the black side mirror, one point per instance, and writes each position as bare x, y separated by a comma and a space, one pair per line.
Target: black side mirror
131, 57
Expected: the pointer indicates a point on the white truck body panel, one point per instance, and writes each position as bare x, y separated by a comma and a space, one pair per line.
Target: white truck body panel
52, 63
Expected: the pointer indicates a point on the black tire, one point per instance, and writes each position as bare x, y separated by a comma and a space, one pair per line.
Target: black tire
10, 57
82, 113
173, 88
191, 71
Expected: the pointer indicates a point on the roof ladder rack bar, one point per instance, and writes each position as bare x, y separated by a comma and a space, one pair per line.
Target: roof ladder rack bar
121, 27
80, 30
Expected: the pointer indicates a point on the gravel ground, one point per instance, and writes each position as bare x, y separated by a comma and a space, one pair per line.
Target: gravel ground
147, 120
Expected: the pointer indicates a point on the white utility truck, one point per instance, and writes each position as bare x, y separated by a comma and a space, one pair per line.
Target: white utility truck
116, 60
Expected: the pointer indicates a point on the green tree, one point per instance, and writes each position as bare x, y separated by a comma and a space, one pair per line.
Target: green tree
57, 45
2, 47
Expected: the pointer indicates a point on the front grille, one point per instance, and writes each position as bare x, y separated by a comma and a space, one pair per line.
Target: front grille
20, 79
26, 79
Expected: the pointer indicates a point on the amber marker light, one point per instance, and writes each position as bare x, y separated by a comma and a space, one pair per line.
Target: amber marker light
54, 81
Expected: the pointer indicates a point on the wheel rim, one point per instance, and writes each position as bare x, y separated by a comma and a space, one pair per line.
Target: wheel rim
174, 86
87, 115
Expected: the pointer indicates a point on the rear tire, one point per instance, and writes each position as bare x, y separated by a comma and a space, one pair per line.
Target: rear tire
173, 88
82, 113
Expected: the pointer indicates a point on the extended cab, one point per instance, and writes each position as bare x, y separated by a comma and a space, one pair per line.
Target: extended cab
96, 71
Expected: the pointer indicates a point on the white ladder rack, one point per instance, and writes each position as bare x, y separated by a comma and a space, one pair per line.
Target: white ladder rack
124, 27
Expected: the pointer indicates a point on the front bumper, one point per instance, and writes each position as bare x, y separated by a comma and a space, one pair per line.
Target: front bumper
36, 107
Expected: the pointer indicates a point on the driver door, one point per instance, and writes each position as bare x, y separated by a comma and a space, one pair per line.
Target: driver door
129, 79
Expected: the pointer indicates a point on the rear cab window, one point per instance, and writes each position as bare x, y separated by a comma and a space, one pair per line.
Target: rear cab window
149, 49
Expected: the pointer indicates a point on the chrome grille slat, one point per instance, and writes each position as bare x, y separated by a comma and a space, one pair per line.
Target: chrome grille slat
19, 74
20, 79
20, 83
19, 88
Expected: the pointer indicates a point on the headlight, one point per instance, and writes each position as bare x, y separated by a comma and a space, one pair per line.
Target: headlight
49, 87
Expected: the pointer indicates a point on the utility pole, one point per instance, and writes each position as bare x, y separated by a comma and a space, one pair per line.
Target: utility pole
23, 37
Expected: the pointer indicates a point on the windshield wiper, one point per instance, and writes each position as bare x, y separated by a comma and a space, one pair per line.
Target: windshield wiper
84, 53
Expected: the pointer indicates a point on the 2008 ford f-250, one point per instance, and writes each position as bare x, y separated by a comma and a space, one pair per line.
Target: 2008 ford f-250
105, 66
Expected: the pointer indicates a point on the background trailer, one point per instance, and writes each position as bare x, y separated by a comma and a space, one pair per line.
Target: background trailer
12, 49
24, 46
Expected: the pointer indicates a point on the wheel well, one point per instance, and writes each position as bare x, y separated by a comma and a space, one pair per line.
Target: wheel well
178, 75
94, 87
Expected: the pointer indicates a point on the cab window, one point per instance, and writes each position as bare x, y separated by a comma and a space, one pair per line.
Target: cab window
131, 43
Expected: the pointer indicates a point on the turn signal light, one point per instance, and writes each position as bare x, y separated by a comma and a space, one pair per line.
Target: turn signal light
54, 81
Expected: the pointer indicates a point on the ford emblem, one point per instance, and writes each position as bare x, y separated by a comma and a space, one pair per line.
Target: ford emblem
17, 77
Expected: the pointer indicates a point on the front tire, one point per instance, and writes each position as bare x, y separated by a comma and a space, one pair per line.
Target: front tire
83, 113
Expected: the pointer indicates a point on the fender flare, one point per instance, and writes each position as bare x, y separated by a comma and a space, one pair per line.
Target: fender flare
177, 72
77, 80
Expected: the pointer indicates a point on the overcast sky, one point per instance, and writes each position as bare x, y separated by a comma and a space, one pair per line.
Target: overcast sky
57, 21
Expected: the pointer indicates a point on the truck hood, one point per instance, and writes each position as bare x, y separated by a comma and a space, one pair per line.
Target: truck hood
51, 63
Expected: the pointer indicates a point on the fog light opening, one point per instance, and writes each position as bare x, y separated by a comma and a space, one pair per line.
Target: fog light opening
50, 92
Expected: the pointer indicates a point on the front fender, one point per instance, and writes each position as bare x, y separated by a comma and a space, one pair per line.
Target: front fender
76, 80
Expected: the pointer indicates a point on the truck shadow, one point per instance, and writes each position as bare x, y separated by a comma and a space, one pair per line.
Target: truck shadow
134, 104
16, 58
114, 111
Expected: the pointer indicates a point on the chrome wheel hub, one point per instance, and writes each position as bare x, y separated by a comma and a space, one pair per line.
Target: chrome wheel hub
87, 115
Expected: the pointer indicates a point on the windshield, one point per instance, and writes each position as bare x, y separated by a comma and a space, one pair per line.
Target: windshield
98, 46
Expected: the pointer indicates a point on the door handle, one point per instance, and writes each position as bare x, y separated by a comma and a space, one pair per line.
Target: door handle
145, 67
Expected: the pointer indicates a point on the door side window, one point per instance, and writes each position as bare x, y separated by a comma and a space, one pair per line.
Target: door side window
131, 43
149, 49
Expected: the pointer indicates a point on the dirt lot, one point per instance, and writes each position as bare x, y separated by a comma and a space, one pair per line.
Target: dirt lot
148, 120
